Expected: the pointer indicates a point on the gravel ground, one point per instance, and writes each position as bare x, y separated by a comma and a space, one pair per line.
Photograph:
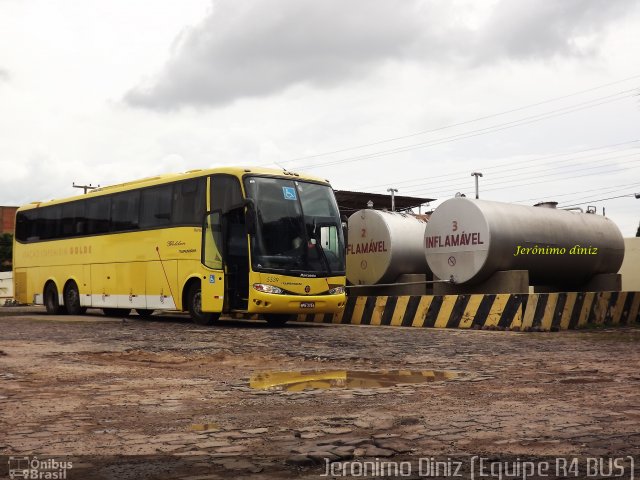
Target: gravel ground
164, 398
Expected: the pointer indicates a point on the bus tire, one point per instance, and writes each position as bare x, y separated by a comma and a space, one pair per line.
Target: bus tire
144, 312
194, 304
51, 299
116, 312
71, 297
277, 320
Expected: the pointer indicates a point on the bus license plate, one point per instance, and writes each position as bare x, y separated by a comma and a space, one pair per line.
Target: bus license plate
307, 304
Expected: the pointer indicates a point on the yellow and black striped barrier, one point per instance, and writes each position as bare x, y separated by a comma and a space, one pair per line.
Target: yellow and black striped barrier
520, 312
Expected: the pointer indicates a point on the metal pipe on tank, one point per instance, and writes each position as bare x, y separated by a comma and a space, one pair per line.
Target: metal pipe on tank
468, 240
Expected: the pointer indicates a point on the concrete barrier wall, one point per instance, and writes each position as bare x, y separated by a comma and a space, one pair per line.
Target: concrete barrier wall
519, 312
6, 285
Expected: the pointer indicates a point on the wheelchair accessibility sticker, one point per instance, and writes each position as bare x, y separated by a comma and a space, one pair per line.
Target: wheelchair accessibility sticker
212, 279
289, 193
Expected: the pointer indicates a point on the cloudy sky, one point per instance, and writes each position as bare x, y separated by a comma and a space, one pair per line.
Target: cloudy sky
541, 96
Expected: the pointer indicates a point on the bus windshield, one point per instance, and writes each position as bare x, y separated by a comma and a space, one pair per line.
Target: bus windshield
298, 229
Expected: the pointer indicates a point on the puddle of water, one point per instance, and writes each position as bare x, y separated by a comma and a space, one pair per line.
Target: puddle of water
203, 427
308, 380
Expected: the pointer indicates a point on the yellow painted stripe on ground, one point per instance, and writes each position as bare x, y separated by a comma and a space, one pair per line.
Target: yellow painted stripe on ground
496, 310
448, 301
635, 309
619, 308
568, 309
399, 311
337, 317
378, 310
589, 298
470, 312
318, 318
549, 311
532, 303
356, 318
421, 311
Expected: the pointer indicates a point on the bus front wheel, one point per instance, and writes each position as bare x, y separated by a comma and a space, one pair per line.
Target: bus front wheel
277, 320
194, 300
51, 300
72, 299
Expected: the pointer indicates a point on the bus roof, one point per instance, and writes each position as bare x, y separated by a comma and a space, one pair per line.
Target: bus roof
172, 177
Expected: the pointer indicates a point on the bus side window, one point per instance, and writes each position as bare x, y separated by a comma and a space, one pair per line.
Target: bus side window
98, 215
26, 226
156, 206
124, 211
189, 199
73, 219
48, 223
225, 193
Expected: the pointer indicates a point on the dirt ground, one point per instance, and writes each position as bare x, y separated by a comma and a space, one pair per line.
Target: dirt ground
164, 398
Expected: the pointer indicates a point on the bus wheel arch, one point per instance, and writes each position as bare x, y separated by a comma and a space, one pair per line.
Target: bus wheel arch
71, 296
51, 298
193, 302
184, 300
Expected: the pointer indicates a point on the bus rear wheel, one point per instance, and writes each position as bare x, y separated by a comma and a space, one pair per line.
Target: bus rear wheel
277, 320
51, 299
116, 312
72, 299
194, 304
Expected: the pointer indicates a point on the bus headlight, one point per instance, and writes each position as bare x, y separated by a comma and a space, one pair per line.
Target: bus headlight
264, 288
336, 291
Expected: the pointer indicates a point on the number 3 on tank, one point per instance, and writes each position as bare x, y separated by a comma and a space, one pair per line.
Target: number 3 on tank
454, 226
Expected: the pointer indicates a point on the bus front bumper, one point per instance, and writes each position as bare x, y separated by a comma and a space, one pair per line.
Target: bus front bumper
260, 302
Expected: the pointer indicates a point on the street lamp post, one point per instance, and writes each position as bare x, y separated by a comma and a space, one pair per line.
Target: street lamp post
393, 199
477, 174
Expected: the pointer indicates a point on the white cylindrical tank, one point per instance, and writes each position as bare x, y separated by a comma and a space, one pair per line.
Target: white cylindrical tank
468, 240
383, 245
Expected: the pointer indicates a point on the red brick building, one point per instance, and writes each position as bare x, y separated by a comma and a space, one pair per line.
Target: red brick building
8, 219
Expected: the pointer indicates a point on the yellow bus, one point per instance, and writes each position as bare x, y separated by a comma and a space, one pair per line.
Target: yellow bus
226, 240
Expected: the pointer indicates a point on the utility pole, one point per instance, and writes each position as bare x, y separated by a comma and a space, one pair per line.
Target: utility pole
477, 174
86, 188
393, 198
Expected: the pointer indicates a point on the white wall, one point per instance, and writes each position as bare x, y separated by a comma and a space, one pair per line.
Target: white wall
630, 269
6, 285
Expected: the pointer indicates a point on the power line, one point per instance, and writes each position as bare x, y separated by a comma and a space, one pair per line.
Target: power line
551, 181
502, 182
510, 162
478, 132
590, 194
573, 163
599, 200
517, 185
424, 132
565, 194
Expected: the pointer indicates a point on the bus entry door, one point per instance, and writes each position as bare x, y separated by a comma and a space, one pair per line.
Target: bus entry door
213, 280
213, 292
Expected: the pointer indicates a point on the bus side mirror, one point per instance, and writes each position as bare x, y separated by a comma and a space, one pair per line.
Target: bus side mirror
345, 228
